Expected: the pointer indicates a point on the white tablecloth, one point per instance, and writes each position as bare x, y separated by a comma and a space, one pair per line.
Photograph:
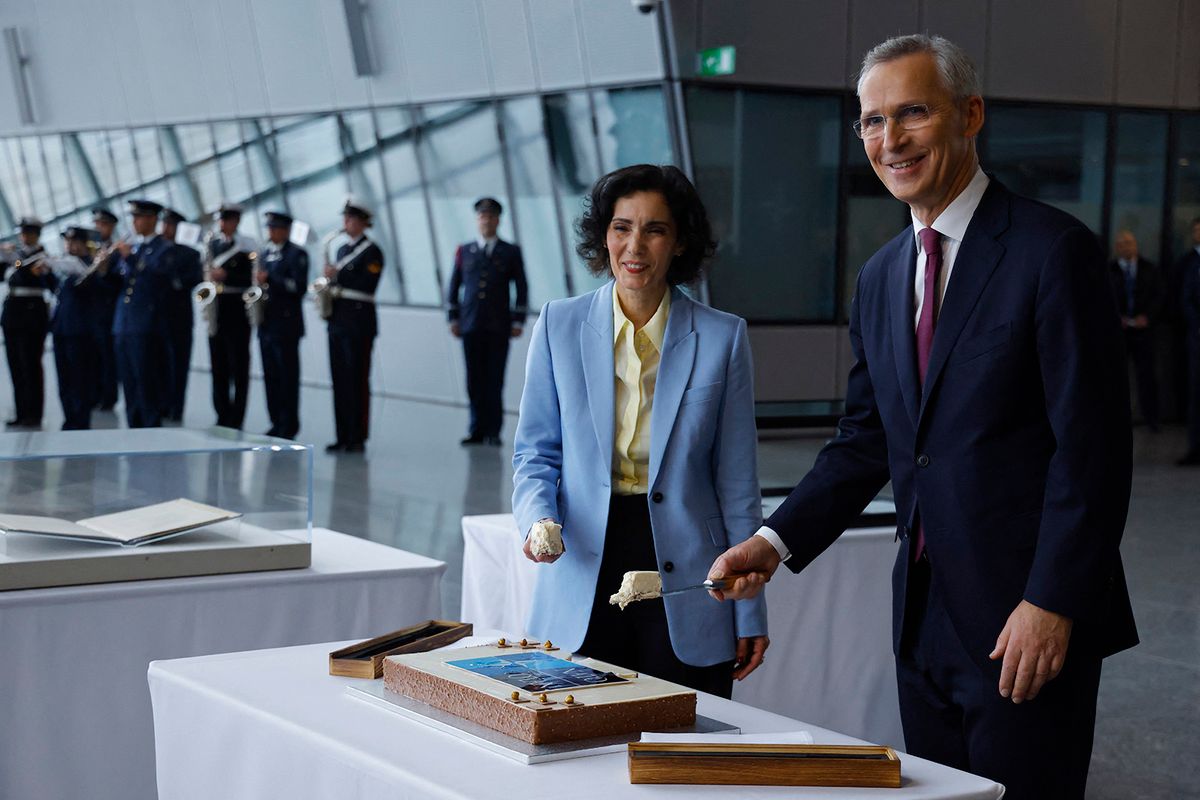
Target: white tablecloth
273, 723
830, 660
75, 717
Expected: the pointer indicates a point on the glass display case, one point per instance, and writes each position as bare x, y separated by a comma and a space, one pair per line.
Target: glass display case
64, 478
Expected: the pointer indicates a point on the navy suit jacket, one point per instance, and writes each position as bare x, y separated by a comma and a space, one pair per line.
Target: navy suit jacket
183, 269
75, 308
355, 317
1189, 266
1018, 451
287, 281
479, 288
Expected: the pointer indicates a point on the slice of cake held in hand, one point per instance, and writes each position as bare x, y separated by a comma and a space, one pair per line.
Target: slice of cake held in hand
545, 538
642, 585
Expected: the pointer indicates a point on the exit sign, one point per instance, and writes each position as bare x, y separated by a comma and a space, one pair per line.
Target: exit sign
716, 61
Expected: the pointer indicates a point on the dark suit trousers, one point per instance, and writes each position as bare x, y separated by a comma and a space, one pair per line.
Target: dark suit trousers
229, 352
77, 361
178, 352
137, 359
486, 354
953, 713
1140, 344
350, 368
24, 347
107, 371
637, 638
281, 378
1193, 409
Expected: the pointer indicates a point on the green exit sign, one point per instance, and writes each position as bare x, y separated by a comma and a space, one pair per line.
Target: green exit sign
716, 61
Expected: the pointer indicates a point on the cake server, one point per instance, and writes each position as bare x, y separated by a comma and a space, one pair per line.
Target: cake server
719, 583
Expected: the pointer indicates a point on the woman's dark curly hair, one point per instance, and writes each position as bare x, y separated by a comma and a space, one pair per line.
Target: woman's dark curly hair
691, 220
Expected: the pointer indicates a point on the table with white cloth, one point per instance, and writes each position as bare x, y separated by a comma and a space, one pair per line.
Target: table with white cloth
830, 661
74, 708
274, 723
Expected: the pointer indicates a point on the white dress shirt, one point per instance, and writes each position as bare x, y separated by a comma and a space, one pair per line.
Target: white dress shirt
952, 225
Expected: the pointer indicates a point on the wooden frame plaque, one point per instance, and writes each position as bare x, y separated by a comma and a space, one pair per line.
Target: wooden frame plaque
764, 764
365, 659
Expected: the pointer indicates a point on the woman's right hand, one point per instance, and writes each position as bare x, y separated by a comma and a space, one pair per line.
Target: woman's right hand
544, 558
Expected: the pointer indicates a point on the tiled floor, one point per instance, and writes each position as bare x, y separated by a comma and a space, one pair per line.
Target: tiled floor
415, 483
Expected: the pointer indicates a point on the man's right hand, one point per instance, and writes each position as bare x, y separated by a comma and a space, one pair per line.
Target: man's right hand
455, 331
755, 556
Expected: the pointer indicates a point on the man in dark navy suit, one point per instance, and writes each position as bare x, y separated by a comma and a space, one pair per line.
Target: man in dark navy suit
282, 273
1140, 294
184, 271
138, 326
354, 277
230, 265
24, 320
1188, 271
482, 315
989, 387
73, 326
105, 223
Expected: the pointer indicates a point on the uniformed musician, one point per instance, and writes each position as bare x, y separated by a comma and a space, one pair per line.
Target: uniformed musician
139, 326
184, 271
24, 321
105, 223
353, 327
282, 273
230, 260
482, 315
74, 327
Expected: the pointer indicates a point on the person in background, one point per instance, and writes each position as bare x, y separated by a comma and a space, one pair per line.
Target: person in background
1189, 269
1140, 294
105, 224
636, 435
282, 273
183, 269
482, 314
73, 326
353, 326
230, 265
24, 320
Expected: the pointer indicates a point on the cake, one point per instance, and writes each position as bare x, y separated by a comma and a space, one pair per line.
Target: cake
535, 693
545, 539
637, 586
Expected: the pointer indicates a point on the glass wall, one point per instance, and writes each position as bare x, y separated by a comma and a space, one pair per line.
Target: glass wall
1185, 205
1140, 180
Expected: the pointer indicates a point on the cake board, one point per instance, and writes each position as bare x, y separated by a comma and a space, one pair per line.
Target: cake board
516, 749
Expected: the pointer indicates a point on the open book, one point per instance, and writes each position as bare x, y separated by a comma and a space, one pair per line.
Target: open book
130, 528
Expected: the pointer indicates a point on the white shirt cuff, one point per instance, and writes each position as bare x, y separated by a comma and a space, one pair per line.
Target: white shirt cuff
773, 537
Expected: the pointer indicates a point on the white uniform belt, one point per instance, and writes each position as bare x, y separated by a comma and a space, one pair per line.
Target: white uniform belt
26, 291
353, 294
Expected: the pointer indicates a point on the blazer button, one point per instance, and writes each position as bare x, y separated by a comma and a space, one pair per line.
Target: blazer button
657, 497
922, 460
668, 566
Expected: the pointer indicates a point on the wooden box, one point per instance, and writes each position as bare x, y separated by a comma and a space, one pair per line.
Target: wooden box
365, 659
764, 764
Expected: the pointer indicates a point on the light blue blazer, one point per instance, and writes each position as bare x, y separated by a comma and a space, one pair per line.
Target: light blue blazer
702, 462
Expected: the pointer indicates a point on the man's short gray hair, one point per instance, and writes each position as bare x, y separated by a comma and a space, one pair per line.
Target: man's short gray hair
953, 65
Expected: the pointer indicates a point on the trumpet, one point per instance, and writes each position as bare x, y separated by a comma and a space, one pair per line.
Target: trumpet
205, 296
255, 299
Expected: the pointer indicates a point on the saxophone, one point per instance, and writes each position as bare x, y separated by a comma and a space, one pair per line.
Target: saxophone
324, 289
206, 292
255, 299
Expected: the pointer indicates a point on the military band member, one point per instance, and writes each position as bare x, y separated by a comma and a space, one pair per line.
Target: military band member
352, 328
282, 272
184, 271
482, 315
230, 264
24, 320
75, 328
139, 326
105, 223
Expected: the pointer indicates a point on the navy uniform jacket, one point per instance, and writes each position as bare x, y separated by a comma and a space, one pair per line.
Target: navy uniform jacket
106, 298
354, 317
1017, 451
183, 271
287, 280
143, 281
27, 312
479, 293
239, 270
1190, 266
75, 312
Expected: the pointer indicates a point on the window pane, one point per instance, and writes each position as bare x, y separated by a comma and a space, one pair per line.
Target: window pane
35, 172
262, 172
633, 127
417, 257
95, 147
1055, 155
16, 191
60, 175
195, 141
461, 156
533, 212
1139, 179
120, 145
150, 163
873, 216
576, 164
306, 145
767, 168
365, 177
1186, 206
83, 191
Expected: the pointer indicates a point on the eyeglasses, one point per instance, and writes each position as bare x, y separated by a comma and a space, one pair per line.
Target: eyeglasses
908, 118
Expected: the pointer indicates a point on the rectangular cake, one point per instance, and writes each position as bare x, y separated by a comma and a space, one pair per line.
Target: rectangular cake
540, 695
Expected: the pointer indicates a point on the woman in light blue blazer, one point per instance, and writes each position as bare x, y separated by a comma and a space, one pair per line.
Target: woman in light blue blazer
637, 435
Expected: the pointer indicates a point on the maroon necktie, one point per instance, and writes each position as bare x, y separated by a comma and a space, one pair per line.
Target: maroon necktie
931, 243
